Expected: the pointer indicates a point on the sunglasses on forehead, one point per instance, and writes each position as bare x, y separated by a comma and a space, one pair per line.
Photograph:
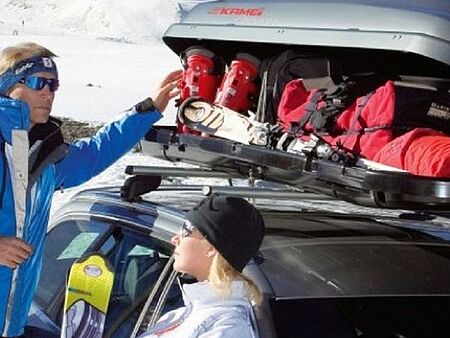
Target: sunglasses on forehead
38, 83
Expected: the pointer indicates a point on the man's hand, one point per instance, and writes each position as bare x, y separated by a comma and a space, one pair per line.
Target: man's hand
166, 91
13, 251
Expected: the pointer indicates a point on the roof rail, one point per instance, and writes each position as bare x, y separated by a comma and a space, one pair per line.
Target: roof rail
148, 178
178, 172
265, 193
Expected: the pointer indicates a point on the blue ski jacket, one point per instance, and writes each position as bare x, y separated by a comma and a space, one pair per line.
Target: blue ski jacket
33, 164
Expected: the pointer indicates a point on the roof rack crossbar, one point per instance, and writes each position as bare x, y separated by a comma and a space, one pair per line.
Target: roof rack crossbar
252, 192
177, 172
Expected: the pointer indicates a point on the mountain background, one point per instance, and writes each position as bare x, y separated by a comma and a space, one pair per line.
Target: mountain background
131, 20
111, 54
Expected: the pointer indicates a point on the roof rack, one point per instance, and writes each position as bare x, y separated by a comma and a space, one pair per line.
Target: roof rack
148, 178
178, 172
271, 193
351, 183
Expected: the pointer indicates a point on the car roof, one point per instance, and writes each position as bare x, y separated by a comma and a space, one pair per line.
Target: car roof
313, 216
361, 265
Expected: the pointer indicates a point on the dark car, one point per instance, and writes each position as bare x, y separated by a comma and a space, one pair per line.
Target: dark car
325, 269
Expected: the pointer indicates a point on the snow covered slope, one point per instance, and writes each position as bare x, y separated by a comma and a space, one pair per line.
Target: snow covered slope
110, 51
130, 20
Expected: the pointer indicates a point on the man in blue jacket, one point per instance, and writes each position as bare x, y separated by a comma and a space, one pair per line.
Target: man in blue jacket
35, 161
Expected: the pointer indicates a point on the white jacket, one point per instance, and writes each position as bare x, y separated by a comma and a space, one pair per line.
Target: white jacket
207, 315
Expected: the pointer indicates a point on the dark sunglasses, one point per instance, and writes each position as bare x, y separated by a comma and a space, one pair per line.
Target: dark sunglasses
38, 83
186, 229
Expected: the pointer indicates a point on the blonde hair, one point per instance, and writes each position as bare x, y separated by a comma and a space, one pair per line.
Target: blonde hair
222, 274
10, 56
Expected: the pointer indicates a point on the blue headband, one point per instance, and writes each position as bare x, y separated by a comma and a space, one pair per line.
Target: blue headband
24, 68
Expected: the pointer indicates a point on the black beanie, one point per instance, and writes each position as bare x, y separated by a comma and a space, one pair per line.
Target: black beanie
233, 225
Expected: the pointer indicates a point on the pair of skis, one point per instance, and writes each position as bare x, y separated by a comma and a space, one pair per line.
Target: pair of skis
89, 286
88, 291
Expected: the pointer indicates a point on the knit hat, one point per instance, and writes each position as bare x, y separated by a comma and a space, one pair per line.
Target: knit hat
233, 225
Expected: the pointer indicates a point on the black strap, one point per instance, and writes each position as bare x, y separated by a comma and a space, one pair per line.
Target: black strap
359, 110
310, 110
338, 98
335, 101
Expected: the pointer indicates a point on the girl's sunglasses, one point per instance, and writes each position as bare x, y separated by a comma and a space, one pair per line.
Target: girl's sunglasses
186, 229
38, 83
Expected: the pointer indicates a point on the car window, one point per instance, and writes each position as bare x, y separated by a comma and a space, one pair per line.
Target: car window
138, 262
78, 245
64, 244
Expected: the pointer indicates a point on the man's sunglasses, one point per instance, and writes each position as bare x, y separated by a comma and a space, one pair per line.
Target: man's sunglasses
38, 83
186, 229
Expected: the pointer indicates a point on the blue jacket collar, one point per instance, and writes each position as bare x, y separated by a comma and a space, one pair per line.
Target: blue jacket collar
14, 114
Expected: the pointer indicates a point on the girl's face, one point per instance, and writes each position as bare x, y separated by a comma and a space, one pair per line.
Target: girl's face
193, 253
40, 101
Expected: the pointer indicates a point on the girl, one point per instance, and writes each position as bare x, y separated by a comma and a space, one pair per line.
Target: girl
218, 239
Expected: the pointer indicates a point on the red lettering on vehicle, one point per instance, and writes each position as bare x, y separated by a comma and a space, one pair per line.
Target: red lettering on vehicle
237, 11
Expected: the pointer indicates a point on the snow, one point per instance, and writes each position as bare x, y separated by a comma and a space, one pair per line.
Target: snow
134, 20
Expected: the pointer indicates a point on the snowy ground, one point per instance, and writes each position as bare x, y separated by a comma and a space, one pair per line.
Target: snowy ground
131, 20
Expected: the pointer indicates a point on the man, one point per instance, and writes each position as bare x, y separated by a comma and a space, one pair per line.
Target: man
35, 161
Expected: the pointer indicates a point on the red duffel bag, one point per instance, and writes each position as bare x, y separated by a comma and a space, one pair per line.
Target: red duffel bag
422, 151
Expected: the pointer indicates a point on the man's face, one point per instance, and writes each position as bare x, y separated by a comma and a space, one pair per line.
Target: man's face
40, 102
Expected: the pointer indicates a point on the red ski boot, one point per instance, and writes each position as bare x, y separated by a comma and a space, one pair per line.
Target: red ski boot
238, 89
203, 71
